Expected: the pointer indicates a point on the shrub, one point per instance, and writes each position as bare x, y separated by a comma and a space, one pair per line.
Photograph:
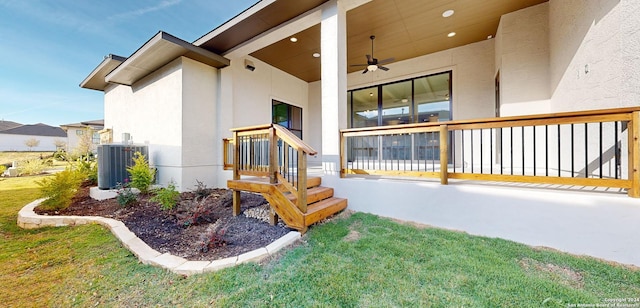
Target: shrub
167, 197
60, 155
213, 237
201, 190
31, 167
125, 196
3, 168
198, 213
141, 175
59, 189
89, 170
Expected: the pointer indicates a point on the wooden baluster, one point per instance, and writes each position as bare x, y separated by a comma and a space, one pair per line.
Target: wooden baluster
236, 173
444, 154
634, 155
273, 169
302, 181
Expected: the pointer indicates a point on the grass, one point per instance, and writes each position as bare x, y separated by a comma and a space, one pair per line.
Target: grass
356, 261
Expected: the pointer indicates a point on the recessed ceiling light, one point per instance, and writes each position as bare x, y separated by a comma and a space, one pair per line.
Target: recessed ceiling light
316, 55
489, 36
293, 39
451, 34
447, 13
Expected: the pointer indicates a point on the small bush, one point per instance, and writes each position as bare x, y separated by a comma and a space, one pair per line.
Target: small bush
141, 175
3, 168
201, 190
89, 170
212, 238
198, 214
125, 196
167, 197
60, 155
31, 167
59, 189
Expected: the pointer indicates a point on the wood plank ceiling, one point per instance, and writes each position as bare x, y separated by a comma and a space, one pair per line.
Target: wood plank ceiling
404, 29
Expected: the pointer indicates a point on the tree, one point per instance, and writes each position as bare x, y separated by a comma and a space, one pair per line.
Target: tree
33, 142
60, 144
85, 143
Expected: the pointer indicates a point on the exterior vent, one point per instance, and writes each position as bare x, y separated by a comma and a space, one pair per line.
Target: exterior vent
113, 160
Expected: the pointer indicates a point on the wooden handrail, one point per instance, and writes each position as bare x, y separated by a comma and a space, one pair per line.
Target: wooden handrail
277, 167
392, 150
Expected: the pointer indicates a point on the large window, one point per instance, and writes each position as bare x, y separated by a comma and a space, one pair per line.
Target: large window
417, 100
288, 116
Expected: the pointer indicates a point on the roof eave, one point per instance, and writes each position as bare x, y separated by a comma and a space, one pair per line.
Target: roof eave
157, 52
96, 79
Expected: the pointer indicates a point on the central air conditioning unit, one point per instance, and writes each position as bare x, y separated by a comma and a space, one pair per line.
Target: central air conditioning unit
113, 161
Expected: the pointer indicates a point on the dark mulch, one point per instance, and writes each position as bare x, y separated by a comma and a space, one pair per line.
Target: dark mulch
200, 227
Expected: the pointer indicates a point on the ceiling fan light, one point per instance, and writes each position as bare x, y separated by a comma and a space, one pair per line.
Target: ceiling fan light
372, 67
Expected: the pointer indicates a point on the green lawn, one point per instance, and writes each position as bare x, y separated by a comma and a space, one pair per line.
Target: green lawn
358, 261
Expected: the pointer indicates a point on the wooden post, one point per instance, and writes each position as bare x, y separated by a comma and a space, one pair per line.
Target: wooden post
444, 154
273, 169
302, 181
343, 147
634, 155
236, 173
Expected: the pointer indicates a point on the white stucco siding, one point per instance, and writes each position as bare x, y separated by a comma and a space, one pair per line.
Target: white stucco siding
522, 61
472, 67
254, 90
594, 48
151, 111
11, 142
199, 137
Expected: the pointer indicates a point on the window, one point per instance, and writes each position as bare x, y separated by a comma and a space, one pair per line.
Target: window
416, 100
95, 138
288, 116
79, 132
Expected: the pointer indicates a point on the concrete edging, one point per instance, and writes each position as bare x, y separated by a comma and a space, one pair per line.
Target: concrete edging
28, 219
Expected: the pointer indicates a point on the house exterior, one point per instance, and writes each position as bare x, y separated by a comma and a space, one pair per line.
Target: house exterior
500, 59
15, 138
88, 130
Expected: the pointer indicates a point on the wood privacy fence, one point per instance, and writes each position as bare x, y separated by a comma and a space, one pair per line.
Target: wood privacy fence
590, 148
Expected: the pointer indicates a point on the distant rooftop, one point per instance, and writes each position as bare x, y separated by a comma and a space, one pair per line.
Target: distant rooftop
4, 125
39, 129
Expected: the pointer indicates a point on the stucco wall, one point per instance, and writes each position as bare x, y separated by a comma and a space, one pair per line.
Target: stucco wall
11, 142
473, 70
172, 111
594, 54
522, 61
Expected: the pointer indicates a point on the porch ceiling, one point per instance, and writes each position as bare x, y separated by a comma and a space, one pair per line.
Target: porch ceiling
404, 29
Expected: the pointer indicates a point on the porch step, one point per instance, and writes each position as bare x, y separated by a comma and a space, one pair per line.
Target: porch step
323, 209
320, 200
314, 194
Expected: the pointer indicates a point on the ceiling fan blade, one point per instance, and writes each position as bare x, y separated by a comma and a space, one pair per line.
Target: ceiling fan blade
365, 71
369, 58
385, 61
383, 68
358, 64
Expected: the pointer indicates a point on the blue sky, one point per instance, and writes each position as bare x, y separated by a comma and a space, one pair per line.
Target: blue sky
47, 47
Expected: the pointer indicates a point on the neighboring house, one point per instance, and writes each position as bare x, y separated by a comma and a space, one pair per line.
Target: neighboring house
300, 64
14, 139
77, 131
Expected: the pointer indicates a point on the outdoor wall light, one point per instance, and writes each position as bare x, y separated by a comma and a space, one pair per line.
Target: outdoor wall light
249, 65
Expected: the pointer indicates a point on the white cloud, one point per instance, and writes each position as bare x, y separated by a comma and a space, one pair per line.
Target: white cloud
145, 10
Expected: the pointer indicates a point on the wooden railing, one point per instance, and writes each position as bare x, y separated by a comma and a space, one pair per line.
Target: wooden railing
270, 151
597, 148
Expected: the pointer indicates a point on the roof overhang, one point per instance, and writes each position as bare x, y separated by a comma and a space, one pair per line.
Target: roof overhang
157, 52
96, 80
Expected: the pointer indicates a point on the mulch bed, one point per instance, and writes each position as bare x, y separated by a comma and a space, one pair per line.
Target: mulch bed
200, 227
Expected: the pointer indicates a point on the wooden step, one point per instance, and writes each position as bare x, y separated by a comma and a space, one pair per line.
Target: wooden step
314, 194
262, 185
323, 209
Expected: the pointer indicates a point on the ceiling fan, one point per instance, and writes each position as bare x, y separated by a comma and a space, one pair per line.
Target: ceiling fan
372, 63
